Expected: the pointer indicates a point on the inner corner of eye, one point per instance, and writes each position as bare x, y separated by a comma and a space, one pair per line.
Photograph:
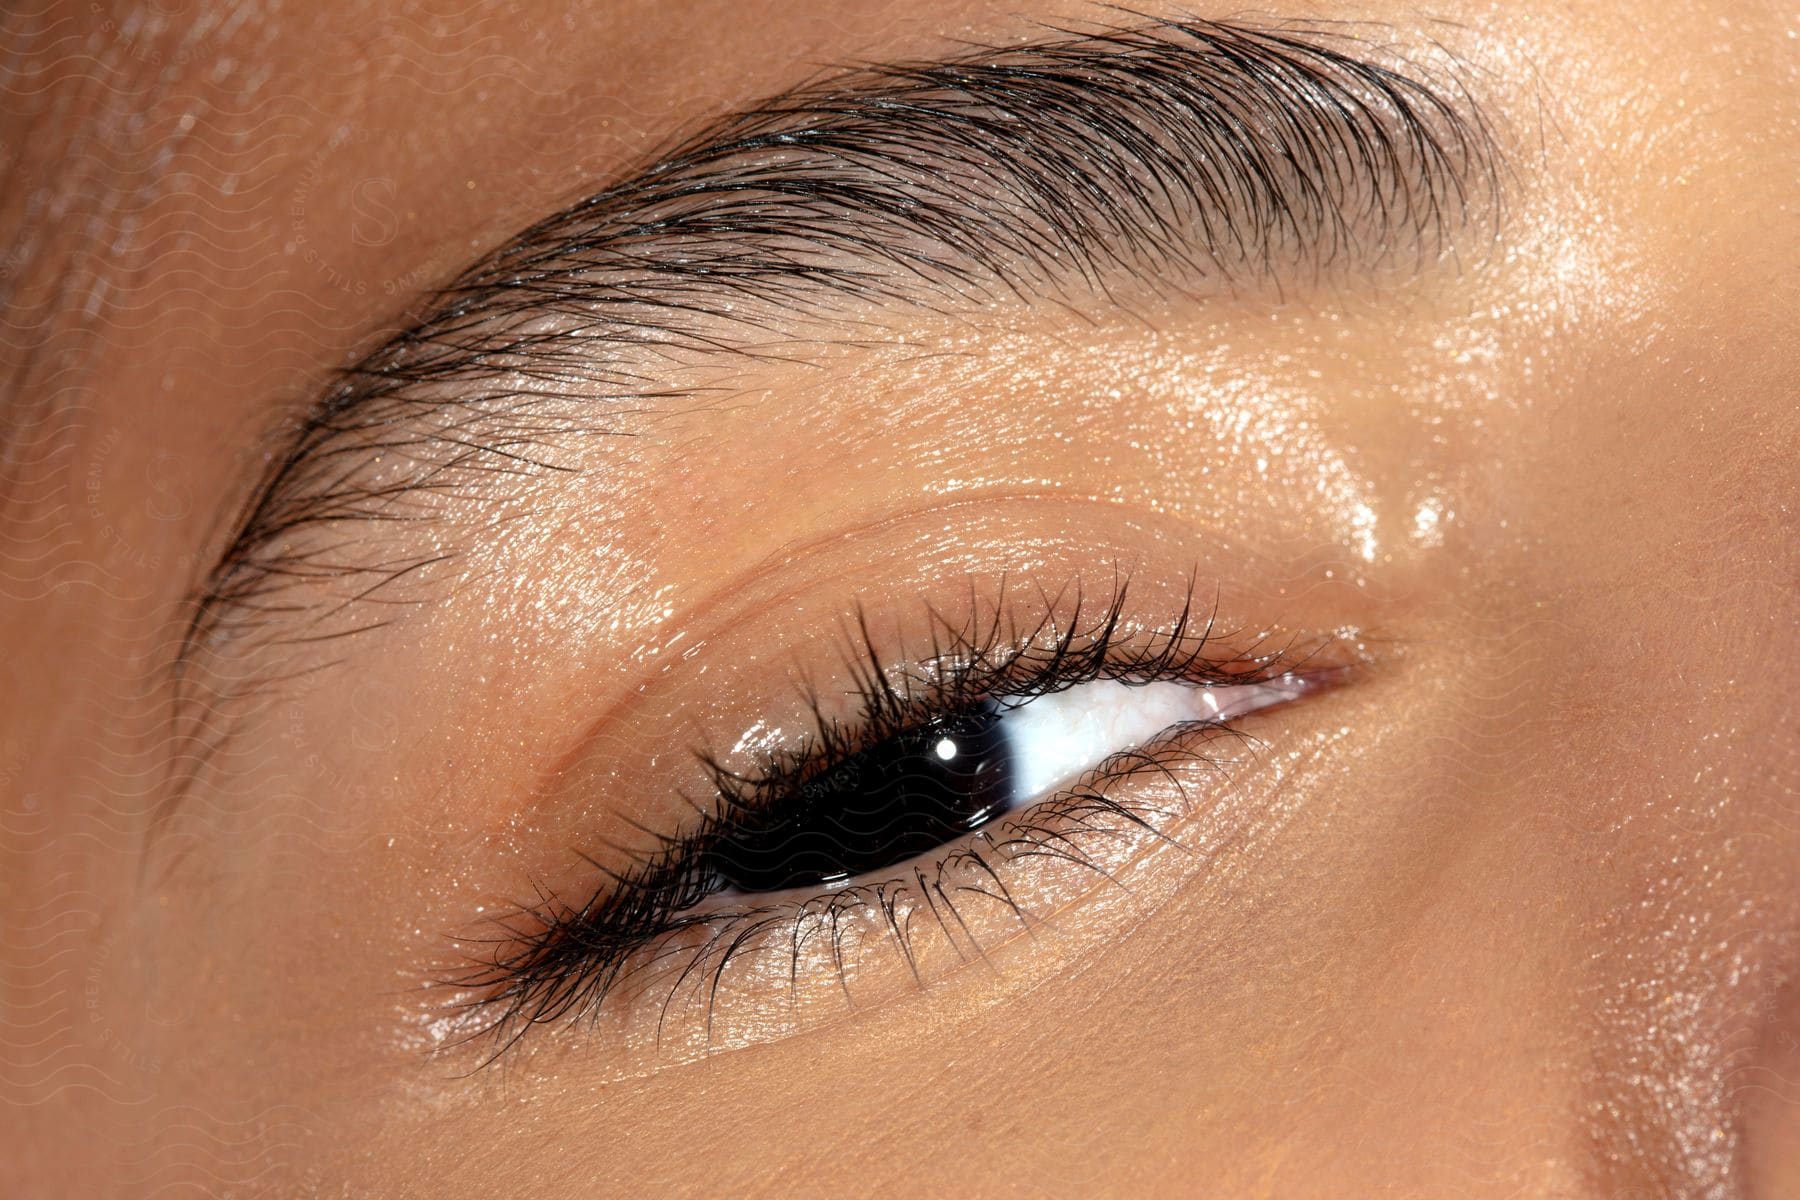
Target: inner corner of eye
1056, 738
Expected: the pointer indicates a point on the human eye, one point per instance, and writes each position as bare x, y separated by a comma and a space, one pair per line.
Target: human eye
954, 800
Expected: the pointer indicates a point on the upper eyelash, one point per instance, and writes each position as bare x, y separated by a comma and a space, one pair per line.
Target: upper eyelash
553, 960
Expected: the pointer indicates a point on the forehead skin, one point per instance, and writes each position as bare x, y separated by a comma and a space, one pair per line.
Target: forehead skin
1542, 939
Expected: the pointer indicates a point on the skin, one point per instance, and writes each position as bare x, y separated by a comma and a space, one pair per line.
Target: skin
1512, 912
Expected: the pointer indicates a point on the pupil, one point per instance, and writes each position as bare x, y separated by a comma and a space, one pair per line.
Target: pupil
894, 800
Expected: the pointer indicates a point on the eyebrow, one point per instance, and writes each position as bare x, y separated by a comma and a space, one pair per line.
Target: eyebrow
1178, 156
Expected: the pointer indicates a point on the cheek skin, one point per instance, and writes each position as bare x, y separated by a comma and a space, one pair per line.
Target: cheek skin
1654, 533
1773, 1102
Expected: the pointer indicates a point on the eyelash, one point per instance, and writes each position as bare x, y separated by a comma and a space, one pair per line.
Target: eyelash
553, 961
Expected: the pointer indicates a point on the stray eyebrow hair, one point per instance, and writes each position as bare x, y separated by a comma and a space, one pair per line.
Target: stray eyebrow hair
1169, 156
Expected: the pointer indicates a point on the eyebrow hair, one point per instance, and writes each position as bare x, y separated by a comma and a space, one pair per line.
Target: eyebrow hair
1177, 155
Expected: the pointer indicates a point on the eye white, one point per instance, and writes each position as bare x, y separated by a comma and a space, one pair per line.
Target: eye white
1055, 739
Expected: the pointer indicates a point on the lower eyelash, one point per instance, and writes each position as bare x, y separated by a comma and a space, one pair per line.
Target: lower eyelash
682, 969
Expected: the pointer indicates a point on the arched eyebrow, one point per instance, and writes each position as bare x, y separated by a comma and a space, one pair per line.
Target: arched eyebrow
1179, 155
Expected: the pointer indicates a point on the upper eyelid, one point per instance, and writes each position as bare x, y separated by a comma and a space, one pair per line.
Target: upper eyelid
1093, 140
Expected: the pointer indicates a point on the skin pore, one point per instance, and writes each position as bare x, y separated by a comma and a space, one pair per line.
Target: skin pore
1510, 909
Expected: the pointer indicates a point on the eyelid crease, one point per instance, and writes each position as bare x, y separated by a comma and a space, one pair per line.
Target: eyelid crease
1052, 507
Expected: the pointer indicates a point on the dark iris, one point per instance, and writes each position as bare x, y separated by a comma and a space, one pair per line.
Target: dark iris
899, 798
